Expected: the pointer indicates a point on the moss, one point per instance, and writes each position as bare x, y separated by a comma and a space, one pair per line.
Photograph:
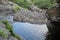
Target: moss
9, 27
16, 8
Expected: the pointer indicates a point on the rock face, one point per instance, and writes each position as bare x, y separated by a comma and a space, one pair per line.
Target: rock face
28, 16
53, 16
3, 1
53, 23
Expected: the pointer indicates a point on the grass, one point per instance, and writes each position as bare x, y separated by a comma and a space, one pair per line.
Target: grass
44, 3
39, 3
3, 34
22, 3
16, 8
9, 27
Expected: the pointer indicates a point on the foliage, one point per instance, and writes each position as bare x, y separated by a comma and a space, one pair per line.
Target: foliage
16, 8
9, 27
3, 34
44, 3
22, 3
38, 3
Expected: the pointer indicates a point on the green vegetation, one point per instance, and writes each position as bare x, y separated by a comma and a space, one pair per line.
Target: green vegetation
44, 3
22, 3
16, 8
9, 27
3, 34
38, 3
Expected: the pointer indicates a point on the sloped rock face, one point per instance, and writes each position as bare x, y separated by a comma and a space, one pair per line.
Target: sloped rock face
28, 16
6, 9
53, 16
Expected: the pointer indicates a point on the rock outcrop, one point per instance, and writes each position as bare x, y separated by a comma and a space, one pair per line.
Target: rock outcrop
28, 16
53, 15
53, 23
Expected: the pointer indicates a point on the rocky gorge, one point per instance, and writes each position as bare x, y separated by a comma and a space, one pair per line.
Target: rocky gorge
34, 16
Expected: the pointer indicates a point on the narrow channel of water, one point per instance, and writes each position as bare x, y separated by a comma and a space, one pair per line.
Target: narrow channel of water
30, 31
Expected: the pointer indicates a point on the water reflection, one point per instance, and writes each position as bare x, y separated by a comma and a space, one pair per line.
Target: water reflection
30, 31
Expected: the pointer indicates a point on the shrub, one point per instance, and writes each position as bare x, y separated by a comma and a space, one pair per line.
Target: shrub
44, 3
39, 3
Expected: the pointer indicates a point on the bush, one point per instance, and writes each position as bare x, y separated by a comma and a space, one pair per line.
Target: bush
44, 3
22, 3
39, 3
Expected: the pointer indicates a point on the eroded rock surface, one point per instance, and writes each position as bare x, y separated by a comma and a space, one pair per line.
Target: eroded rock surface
32, 17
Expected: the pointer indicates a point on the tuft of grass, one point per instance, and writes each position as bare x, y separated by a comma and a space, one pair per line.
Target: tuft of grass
3, 34
16, 8
9, 27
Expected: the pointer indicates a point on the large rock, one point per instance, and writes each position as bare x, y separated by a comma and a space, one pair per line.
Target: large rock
53, 16
53, 23
32, 17
3, 1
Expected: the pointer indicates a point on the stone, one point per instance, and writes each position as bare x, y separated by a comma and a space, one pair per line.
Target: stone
12, 38
1, 38
3, 1
34, 8
27, 16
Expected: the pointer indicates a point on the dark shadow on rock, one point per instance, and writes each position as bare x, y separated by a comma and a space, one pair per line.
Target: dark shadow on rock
50, 36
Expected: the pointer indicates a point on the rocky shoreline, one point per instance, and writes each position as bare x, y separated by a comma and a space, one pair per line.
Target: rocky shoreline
6, 31
35, 16
31, 17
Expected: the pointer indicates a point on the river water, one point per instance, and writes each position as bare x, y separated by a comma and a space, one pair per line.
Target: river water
30, 31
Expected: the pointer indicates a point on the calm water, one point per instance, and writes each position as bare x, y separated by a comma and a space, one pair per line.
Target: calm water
30, 31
